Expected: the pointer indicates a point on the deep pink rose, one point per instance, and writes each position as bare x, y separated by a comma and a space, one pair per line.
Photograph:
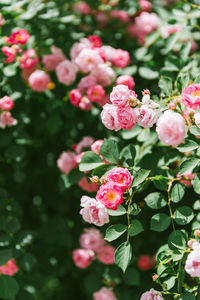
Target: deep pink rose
83, 257
104, 294
126, 117
126, 80
121, 177
6, 103
105, 255
10, 268
39, 81
191, 96
110, 195
28, 59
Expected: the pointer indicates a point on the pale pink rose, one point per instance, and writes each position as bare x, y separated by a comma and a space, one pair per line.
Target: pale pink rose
102, 18
2, 21
120, 95
109, 52
6, 103
82, 7
120, 58
27, 72
152, 295
57, 51
195, 244
87, 82
144, 262
110, 195
75, 97
66, 162
78, 47
186, 178
85, 104
88, 186
126, 117
122, 15
96, 146
126, 80
105, 255
197, 119
96, 93
121, 177
171, 128
103, 74
93, 211
6, 119
132, 30
51, 61
91, 239
28, 59
86, 141
146, 117
88, 59
83, 257
192, 265
39, 80
10, 268
145, 5
170, 29
66, 72
104, 294
79, 157
109, 117
191, 96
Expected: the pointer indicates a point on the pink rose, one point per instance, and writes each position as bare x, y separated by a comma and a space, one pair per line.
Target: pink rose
88, 59
144, 262
110, 195
122, 15
66, 72
86, 141
120, 58
85, 104
108, 51
171, 128
10, 268
66, 162
6, 103
87, 82
197, 119
87, 186
51, 61
96, 146
147, 114
95, 41
170, 29
78, 47
75, 97
120, 177
126, 80
104, 294
105, 255
192, 265
82, 257
93, 212
27, 72
109, 117
10, 52
18, 37
186, 178
126, 117
102, 18
82, 7
120, 95
191, 96
103, 74
28, 59
91, 239
152, 295
6, 119
96, 93
145, 5
39, 81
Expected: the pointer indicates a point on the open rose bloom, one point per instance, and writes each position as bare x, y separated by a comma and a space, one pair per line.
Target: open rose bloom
10, 268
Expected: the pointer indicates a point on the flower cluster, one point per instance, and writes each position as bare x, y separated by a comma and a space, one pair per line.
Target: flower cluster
6, 119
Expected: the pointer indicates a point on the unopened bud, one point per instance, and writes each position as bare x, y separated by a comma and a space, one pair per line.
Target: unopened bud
146, 92
197, 233
103, 180
172, 105
154, 277
94, 179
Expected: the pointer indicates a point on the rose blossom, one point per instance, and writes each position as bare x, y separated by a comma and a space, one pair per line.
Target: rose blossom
152, 295
170, 29
126, 117
121, 177
144, 263
28, 59
104, 294
109, 52
86, 141
6, 119
91, 239
66, 162
120, 95
88, 59
95, 41
75, 97
87, 186
10, 52
110, 195
126, 80
85, 104
122, 15
192, 265
191, 96
96, 93
87, 82
103, 74
102, 18
96, 146
51, 61
105, 254
186, 178
109, 117
82, 257
78, 47
197, 119
120, 58
145, 5
66, 72
39, 81
10, 268
93, 212
147, 114
82, 7
18, 37
6, 103
171, 128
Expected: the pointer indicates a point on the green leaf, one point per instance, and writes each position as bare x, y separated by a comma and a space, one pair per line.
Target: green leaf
160, 222
129, 134
140, 176
109, 151
134, 210
196, 205
196, 184
89, 161
123, 255
188, 165
155, 200
132, 277
118, 212
170, 282
5, 255
183, 215
165, 84
148, 73
74, 176
135, 228
10, 70
177, 240
114, 231
151, 38
187, 296
8, 287
195, 130
101, 170
185, 50
13, 225
188, 146
127, 155
177, 192
171, 41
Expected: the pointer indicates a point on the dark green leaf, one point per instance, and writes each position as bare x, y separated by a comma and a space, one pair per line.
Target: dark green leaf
135, 228
196, 184
183, 215
114, 231
123, 255
119, 212
155, 200
5, 255
177, 192
140, 176
109, 151
89, 161
188, 146
127, 155
160, 222
101, 170
8, 287
188, 165
177, 240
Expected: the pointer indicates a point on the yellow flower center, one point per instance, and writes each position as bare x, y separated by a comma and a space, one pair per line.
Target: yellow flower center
111, 196
197, 93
